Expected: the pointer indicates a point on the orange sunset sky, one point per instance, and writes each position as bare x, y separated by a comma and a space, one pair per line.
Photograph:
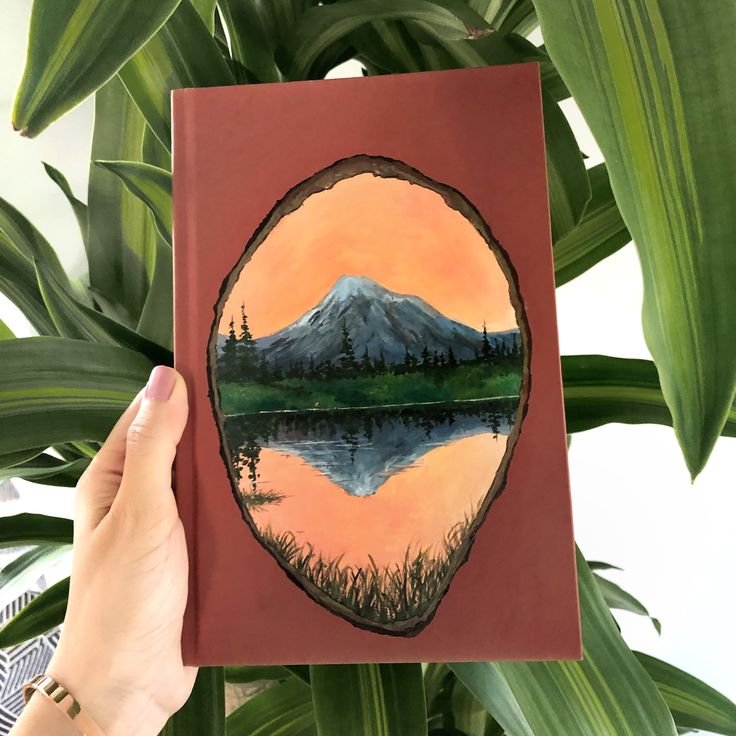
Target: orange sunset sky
399, 234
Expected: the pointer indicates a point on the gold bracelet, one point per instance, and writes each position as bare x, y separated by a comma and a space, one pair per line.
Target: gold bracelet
64, 700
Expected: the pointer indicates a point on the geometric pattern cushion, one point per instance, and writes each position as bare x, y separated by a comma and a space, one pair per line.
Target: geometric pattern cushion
21, 663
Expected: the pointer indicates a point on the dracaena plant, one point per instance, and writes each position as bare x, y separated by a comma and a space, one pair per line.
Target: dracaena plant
653, 79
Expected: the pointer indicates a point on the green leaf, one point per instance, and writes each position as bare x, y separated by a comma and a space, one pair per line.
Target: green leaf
122, 236
616, 597
599, 234
56, 390
284, 709
74, 47
247, 674
324, 25
44, 612
694, 704
608, 692
11, 459
182, 54
369, 700
471, 717
34, 529
600, 389
157, 319
253, 36
48, 470
5, 332
151, 185
204, 713
22, 572
206, 8
569, 187
653, 79
79, 207
78, 321
596, 565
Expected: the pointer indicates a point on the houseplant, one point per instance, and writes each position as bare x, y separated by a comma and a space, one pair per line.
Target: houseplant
637, 70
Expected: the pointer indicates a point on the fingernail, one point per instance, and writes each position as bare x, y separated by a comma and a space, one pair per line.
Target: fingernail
160, 383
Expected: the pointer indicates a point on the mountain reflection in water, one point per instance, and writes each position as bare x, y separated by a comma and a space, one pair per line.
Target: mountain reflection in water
360, 451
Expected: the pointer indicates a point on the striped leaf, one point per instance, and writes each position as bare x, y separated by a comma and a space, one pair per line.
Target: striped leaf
38, 529
79, 208
5, 332
204, 712
654, 81
284, 709
151, 185
206, 9
55, 390
44, 612
74, 47
182, 54
122, 236
694, 704
48, 470
608, 692
23, 572
322, 26
599, 234
157, 319
600, 389
369, 700
80, 322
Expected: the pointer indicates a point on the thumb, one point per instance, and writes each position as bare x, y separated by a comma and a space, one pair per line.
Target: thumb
151, 442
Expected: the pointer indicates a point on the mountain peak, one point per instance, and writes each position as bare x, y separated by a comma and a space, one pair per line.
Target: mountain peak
348, 286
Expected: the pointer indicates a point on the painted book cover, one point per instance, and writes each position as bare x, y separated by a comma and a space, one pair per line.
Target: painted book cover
375, 463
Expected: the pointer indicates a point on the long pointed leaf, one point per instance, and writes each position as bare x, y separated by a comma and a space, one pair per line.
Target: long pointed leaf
157, 319
47, 470
75, 46
599, 234
55, 390
122, 236
616, 597
608, 692
284, 709
654, 79
22, 572
600, 389
694, 704
79, 207
151, 185
369, 700
181, 54
34, 529
44, 612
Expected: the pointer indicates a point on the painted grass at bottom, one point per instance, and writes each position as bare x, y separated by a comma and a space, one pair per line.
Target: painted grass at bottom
381, 594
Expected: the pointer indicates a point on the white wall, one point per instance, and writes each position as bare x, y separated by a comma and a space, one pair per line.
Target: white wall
633, 501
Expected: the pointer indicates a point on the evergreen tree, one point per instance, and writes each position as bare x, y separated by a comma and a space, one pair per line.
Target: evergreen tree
366, 366
347, 358
264, 375
380, 364
485, 346
247, 353
228, 361
312, 371
451, 359
426, 361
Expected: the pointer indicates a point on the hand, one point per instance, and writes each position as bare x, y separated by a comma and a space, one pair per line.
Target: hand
120, 652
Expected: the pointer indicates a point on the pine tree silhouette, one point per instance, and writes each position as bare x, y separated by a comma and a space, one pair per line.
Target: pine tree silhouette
365, 364
485, 346
347, 358
228, 361
247, 353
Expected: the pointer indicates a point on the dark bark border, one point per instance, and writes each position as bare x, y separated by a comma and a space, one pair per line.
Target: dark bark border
292, 200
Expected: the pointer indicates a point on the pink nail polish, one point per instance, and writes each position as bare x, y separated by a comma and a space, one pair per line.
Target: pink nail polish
160, 383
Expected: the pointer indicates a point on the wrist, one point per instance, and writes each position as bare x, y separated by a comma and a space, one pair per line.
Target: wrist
116, 709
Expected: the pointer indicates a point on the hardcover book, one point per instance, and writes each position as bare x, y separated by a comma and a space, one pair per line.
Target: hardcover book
375, 463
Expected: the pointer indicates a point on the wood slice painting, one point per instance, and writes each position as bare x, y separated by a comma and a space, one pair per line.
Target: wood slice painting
368, 367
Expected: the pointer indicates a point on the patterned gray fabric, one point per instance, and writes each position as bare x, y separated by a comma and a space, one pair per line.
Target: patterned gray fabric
20, 663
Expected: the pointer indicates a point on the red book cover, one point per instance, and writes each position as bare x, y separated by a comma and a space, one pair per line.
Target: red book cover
375, 463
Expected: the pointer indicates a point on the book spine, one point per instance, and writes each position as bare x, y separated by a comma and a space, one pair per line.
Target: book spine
185, 291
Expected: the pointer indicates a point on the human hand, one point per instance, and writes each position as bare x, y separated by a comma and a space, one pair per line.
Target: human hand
120, 653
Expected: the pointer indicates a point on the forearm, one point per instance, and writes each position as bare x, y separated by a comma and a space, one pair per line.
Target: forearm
41, 718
